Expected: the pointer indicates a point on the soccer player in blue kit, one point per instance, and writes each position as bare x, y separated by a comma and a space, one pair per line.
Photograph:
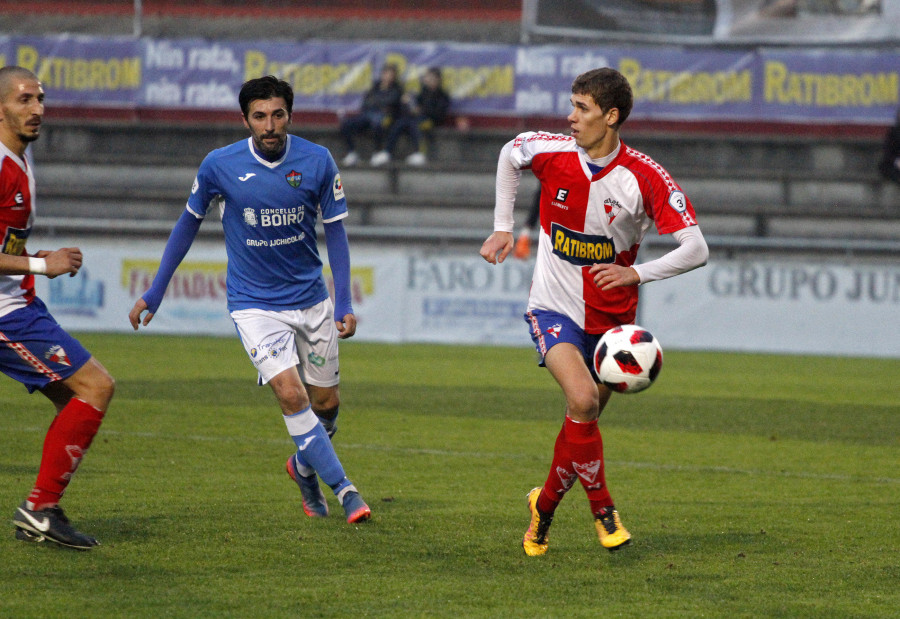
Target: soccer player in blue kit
269, 190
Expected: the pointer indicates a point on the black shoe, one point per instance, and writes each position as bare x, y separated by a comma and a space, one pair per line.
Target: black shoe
50, 524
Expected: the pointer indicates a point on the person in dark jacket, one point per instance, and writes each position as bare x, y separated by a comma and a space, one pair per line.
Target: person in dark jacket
380, 108
421, 114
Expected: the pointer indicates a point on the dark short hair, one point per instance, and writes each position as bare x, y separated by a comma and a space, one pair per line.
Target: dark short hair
9, 72
267, 87
609, 89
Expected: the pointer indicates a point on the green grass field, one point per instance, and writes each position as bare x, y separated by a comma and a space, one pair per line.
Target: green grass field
753, 486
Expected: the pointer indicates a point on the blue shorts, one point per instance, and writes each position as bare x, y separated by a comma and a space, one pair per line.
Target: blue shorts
551, 328
35, 350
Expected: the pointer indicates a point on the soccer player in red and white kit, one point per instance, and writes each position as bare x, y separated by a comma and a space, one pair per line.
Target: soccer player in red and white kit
34, 348
598, 199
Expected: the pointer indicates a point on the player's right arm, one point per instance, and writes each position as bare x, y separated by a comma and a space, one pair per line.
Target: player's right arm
498, 245
180, 241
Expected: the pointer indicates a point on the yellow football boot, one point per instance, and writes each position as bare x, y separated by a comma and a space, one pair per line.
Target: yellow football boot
535, 542
610, 530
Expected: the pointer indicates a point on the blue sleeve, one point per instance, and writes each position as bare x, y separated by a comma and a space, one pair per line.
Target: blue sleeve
183, 235
332, 202
339, 259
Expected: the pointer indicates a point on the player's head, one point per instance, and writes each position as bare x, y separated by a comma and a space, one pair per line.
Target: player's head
21, 107
609, 89
266, 104
268, 87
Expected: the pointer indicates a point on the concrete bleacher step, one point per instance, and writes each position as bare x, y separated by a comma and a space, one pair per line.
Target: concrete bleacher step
741, 186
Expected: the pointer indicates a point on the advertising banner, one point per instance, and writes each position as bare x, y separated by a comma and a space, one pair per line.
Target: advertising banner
81, 71
808, 86
407, 295
778, 306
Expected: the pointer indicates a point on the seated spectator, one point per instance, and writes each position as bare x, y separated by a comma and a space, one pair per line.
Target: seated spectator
890, 157
421, 113
380, 108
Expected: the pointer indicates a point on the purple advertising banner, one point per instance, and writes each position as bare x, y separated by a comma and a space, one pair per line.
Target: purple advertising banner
807, 86
81, 70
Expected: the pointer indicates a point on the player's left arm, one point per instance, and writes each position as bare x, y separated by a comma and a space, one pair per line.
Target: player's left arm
339, 259
333, 206
691, 253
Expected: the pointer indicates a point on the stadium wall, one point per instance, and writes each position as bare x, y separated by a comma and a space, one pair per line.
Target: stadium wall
772, 304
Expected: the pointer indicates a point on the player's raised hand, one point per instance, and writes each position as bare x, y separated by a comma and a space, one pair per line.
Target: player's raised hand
608, 276
346, 327
62, 261
497, 247
134, 316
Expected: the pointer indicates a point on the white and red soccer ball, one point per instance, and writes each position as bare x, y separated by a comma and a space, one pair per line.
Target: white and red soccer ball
628, 359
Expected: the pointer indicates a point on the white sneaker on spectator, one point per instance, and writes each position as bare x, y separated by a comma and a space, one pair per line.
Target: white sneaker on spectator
351, 159
380, 158
416, 159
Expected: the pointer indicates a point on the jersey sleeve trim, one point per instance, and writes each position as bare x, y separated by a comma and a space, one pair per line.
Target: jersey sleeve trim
337, 217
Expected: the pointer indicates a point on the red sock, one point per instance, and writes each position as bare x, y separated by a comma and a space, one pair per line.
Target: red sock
578, 453
586, 451
67, 440
562, 476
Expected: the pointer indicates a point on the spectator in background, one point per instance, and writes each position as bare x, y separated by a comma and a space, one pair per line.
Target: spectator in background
421, 113
890, 158
380, 108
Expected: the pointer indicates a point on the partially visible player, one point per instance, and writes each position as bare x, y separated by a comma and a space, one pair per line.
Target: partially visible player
270, 189
598, 199
34, 349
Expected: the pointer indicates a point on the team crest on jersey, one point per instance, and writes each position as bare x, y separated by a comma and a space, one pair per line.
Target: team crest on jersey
338, 187
554, 330
250, 217
293, 178
57, 354
612, 208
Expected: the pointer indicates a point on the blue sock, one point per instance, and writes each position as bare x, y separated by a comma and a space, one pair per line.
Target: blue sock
330, 425
314, 449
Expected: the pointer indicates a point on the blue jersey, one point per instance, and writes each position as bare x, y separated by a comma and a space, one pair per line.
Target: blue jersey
269, 212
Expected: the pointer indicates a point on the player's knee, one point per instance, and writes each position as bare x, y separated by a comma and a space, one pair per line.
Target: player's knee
328, 406
584, 406
94, 385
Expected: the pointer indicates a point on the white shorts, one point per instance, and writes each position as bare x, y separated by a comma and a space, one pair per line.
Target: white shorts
277, 341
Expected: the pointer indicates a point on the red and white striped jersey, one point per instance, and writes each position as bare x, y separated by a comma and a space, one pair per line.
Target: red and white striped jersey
16, 219
588, 218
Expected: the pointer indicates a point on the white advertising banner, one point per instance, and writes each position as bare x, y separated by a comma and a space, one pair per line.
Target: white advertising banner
779, 306
412, 295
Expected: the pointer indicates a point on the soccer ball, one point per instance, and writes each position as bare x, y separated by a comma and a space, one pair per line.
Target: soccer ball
628, 359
